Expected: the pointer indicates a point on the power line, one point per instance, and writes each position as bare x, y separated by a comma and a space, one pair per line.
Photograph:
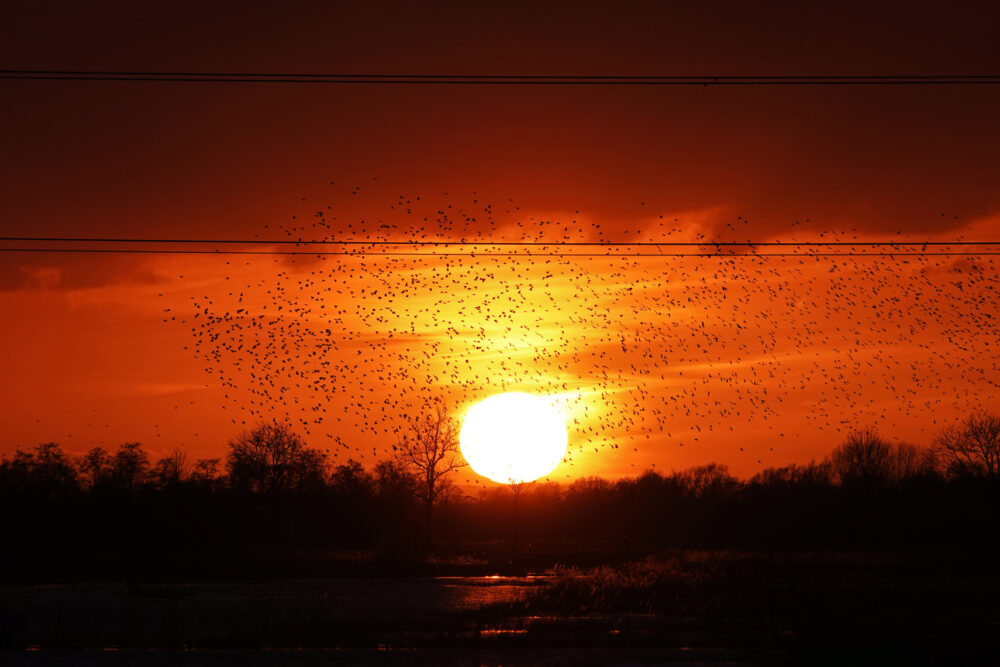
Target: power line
363, 253
375, 248
466, 242
506, 79
502, 76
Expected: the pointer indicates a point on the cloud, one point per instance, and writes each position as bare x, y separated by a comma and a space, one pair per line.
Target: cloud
74, 272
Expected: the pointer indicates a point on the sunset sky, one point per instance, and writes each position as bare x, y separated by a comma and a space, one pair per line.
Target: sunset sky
655, 361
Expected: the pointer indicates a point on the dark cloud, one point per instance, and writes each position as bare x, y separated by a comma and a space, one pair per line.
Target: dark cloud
69, 272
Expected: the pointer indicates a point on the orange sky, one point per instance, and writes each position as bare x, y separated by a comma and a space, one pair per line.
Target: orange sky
746, 361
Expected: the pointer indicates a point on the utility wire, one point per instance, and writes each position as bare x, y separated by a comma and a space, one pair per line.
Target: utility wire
502, 76
506, 79
465, 242
372, 248
364, 253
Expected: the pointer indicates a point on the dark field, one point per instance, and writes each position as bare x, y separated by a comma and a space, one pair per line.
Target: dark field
677, 607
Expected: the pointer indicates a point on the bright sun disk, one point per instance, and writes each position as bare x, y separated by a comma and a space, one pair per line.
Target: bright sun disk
513, 437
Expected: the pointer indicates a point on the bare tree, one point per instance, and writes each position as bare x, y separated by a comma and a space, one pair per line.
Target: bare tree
867, 459
94, 467
171, 469
712, 479
972, 448
864, 459
430, 451
811, 474
129, 466
46, 471
909, 461
271, 459
205, 471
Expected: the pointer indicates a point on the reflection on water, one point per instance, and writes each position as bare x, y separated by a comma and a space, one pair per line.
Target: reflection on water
103, 615
295, 621
475, 592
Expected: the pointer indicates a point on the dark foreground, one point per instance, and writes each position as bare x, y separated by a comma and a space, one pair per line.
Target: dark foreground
683, 607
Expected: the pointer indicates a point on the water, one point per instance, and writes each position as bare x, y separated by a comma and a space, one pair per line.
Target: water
333, 612
404, 621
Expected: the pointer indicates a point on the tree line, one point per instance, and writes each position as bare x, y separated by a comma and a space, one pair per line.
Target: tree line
272, 489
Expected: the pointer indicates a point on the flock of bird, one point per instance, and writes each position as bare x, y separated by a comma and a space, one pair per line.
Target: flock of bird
640, 352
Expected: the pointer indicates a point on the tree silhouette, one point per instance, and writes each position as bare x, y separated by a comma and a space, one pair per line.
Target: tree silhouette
972, 449
712, 479
910, 461
129, 466
45, 472
351, 480
172, 469
205, 471
395, 496
430, 451
94, 467
864, 459
394, 485
271, 459
791, 476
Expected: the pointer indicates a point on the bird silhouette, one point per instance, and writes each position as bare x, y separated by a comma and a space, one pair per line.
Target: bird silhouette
644, 355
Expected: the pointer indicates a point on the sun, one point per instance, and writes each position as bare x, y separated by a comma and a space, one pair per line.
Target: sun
513, 437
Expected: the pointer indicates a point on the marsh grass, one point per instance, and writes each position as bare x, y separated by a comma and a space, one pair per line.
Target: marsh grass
746, 603
822, 603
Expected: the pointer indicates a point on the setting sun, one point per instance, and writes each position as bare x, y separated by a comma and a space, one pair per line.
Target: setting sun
513, 437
